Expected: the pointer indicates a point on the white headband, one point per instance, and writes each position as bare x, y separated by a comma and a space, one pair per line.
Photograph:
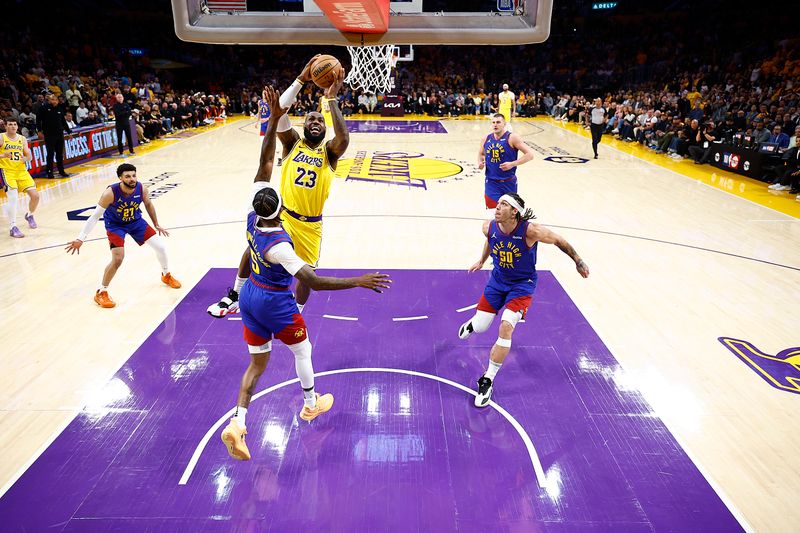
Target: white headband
512, 202
277, 210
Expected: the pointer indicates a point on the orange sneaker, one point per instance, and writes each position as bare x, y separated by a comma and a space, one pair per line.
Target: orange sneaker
103, 300
233, 437
167, 279
324, 404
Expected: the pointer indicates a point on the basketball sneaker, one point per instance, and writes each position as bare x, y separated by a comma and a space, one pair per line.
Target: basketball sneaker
167, 279
31, 222
465, 330
228, 305
324, 404
15, 232
484, 392
233, 437
102, 299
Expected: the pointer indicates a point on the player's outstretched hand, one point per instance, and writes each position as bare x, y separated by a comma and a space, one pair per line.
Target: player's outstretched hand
376, 281
273, 100
582, 268
305, 75
477, 266
336, 86
162, 231
74, 246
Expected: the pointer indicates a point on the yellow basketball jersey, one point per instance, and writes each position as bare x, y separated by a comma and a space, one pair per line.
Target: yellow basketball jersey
306, 179
506, 100
17, 160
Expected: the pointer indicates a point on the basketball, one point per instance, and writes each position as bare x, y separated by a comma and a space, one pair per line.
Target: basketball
324, 69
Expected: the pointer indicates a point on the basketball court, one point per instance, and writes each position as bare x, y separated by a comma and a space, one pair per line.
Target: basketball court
658, 394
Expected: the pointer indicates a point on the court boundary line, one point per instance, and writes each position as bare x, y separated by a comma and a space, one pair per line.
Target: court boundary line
664, 167
75, 412
715, 486
541, 477
474, 219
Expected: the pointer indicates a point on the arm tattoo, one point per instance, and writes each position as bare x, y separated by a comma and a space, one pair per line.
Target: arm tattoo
567, 248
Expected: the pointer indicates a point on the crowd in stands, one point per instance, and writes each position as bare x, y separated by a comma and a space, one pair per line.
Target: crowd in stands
707, 83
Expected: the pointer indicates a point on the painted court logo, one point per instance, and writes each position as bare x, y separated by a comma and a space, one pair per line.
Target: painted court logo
782, 371
396, 168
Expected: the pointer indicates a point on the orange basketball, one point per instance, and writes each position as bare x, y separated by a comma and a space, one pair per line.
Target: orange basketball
324, 69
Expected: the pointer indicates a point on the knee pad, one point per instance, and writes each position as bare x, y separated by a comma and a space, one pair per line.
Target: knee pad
301, 350
481, 321
504, 343
512, 317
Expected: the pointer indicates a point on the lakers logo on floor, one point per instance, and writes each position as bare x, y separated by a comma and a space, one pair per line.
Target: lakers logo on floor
396, 167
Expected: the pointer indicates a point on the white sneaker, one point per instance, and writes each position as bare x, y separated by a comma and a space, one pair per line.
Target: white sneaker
781, 188
228, 305
774, 186
484, 392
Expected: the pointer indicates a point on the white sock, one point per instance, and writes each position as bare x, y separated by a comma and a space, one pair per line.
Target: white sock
240, 414
238, 284
309, 397
300, 307
491, 372
102, 287
157, 245
13, 205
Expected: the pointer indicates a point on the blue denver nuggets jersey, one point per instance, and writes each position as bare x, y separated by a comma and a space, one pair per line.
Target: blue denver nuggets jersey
499, 151
266, 273
513, 261
263, 109
124, 209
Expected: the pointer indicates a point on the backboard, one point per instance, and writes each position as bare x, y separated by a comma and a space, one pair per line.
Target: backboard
476, 22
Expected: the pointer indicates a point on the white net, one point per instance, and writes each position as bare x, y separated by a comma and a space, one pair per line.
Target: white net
371, 67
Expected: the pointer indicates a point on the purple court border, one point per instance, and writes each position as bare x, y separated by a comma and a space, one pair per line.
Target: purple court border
398, 452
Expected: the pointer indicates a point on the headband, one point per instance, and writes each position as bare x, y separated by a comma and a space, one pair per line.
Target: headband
512, 202
277, 210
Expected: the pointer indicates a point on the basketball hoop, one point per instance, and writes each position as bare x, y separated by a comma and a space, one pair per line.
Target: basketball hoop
372, 67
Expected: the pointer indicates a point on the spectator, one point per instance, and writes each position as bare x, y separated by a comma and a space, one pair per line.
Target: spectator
70, 123
81, 113
761, 134
779, 138
702, 149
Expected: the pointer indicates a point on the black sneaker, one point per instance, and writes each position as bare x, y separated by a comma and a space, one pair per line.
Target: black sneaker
484, 392
228, 305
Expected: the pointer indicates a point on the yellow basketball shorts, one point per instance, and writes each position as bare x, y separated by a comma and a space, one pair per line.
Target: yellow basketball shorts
16, 179
306, 236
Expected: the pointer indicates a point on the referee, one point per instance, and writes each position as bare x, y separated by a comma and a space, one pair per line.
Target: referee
598, 123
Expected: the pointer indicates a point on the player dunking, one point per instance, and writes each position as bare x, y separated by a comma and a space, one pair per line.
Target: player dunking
14, 176
499, 154
512, 241
307, 173
119, 206
268, 306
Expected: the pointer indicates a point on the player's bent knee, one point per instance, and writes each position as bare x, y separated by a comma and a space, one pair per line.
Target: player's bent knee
512, 317
301, 350
257, 350
481, 321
